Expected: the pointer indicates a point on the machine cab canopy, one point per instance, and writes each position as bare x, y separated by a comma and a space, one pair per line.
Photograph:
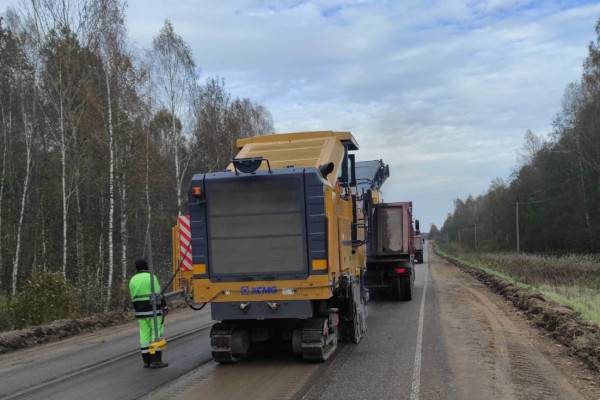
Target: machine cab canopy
299, 150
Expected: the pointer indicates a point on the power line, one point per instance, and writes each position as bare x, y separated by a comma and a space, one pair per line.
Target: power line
542, 200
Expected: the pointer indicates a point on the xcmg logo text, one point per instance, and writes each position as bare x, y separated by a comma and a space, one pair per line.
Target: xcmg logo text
258, 290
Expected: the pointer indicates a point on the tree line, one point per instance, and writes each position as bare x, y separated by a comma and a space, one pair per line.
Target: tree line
555, 192
98, 142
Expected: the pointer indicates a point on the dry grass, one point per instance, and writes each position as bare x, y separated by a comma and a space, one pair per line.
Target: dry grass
572, 280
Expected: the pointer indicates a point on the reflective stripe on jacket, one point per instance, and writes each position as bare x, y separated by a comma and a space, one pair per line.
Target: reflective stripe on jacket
140, 292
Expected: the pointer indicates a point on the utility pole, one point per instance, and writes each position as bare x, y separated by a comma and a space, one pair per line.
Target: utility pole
459, 241
476, 236
517, 223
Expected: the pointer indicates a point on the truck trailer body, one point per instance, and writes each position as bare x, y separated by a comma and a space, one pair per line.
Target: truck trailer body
276, 247
390, 262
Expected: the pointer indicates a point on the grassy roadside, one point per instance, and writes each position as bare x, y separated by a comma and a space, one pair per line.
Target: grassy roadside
572, 281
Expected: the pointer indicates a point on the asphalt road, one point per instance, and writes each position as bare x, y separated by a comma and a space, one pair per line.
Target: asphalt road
105, 364
454, 340
397, 358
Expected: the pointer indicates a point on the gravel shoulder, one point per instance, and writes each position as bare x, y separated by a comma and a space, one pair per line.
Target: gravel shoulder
495, 352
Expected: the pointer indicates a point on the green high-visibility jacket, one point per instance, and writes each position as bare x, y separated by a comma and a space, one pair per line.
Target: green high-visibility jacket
140, 292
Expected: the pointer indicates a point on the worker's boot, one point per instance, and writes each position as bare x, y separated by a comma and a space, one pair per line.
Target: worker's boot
146, 358
156, 360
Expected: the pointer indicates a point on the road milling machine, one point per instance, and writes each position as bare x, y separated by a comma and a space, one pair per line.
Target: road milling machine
278, 246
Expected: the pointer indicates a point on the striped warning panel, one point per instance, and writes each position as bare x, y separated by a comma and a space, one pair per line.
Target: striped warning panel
185, 242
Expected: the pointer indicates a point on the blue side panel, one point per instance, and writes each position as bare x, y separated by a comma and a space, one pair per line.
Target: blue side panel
197, 209
316, 218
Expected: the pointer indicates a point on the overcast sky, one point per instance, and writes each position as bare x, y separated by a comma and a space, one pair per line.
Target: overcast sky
443, 91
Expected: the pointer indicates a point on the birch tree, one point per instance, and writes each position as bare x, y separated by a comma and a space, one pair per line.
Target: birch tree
28, 141
110, 48
22, 76
173, 70
59, 28
10, 52
91, 137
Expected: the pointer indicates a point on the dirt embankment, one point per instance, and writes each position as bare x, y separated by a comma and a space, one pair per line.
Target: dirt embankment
562, 323
20, 339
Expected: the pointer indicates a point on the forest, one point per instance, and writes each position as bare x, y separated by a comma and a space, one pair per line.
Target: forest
98, 141
555, 191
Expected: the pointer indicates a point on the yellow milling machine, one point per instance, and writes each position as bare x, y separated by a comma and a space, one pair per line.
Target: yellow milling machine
278, 245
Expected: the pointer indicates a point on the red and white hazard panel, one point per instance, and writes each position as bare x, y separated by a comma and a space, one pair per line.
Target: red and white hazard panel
185, 242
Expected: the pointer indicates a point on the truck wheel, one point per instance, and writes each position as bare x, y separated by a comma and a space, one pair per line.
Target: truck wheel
402, 289
397, 289
406, 282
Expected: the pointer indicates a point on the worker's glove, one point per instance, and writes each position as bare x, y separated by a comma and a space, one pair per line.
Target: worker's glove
165, 310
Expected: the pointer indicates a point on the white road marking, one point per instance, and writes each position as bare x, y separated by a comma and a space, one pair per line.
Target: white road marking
416, 378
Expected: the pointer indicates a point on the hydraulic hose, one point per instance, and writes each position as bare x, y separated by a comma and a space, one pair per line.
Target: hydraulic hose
202, 305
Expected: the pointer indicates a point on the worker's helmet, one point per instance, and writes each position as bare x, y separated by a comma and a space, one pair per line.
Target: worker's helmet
141, 265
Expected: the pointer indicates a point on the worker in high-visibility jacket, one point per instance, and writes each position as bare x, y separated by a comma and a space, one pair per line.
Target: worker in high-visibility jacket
141, 293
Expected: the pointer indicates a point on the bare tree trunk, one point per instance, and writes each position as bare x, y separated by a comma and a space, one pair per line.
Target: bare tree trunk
2, 184
34, 262
99, 282
176, 150
44, 246
124, 232
124, 215
586, 213
63, 164
100, 270
111, 192
28, 137
78, 231
147, 188
79, 247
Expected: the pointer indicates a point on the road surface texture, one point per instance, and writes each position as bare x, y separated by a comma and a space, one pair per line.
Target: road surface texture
454, 340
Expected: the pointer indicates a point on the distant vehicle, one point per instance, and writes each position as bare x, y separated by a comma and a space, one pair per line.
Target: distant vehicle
418, 244
390, 253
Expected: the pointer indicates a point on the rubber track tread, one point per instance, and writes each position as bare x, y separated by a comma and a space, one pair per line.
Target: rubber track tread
220, 341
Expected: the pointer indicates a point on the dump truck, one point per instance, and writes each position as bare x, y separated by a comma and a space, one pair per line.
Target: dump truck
277, 249
418, 243
390, 256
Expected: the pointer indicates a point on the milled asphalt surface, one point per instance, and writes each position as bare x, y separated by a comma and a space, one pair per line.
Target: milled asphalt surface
381, 365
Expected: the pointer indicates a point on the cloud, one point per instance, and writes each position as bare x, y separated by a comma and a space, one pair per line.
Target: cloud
442, 90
